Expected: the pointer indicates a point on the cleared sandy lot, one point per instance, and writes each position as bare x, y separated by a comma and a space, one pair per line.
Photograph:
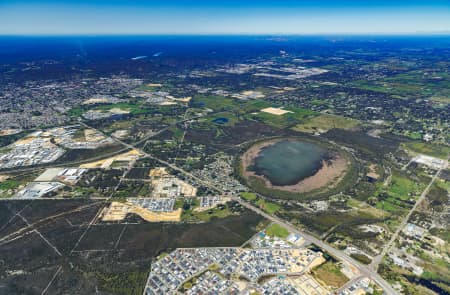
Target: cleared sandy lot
275, 111
118, 211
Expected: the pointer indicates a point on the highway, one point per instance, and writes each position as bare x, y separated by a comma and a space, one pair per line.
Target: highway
365, 270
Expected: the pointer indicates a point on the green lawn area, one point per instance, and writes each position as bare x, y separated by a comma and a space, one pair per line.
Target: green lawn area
216, 212
389, 206
434, 150
276, 230
221, 211
75, 112
215, 102
9, 184
398, 194
326, 122
402, 186
267, 206
254, 106
248, 196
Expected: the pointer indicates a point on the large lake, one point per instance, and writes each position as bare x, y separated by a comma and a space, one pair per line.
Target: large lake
288, 162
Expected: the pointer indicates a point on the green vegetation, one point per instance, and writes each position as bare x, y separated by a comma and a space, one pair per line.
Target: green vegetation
218, 212
191, 212
79, 135
135, 108
249, 196
411, 84
402, 187
330, 274
75, 112
361, 258
397, 198
276, 230
434, 150
231, 118
127, 283
215, 102
269, 207
295, 117
9, 184
8, 139
324, 123
395, 273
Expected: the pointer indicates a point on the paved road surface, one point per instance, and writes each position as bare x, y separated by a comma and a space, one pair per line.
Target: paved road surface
377, 260
333, 251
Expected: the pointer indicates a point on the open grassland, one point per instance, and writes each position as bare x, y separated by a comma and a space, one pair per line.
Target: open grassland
191, 214
214, 102
330, 274
249, 196
365, 208
400, 194
434, 150
413, 84
269, 207
325, 122
403, 187
276, 230
9, 184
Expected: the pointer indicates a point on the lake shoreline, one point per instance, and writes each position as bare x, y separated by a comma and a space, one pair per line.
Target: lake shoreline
329, 174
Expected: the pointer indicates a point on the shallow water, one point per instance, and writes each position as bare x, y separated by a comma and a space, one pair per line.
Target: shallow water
288, 162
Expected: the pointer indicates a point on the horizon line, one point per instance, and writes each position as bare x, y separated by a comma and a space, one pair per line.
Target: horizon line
340, 34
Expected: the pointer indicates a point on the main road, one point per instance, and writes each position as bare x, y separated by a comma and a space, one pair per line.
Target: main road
377, 260
364, 270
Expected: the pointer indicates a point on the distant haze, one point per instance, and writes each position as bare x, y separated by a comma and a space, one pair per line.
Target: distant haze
223, 17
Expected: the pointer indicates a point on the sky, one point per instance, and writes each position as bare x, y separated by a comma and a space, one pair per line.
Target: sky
197, 17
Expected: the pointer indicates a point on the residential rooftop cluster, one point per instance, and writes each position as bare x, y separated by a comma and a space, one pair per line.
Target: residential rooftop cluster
220, 173
277, 286
211, 201
170, 272
154, 204
211, 283
37, 103
178, 267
